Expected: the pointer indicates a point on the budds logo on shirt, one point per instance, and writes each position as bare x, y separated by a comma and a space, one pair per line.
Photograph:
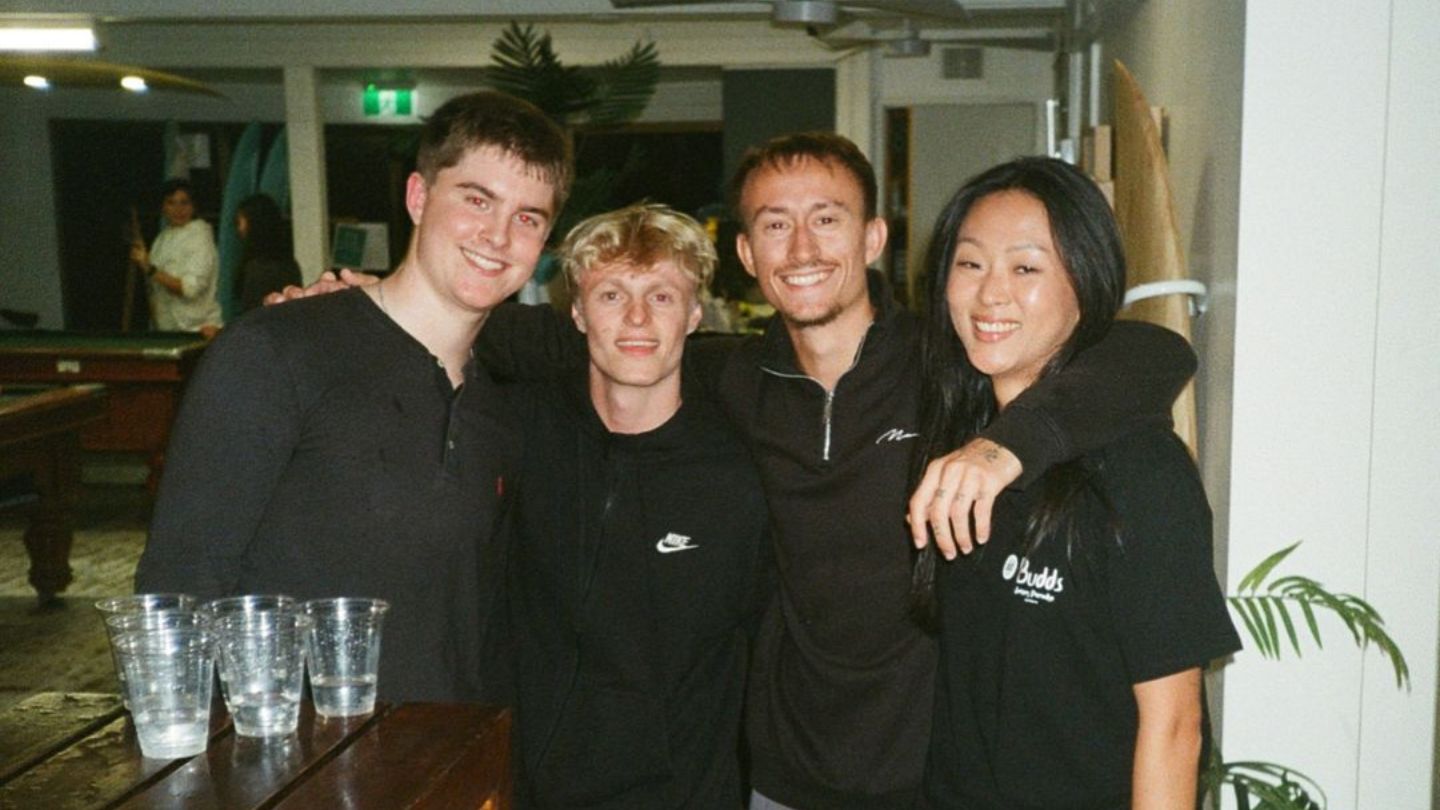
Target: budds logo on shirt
1033, 587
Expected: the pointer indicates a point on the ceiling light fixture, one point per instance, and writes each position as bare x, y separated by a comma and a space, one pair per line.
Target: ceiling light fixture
806, 12
134, 84
37, 82
47, 38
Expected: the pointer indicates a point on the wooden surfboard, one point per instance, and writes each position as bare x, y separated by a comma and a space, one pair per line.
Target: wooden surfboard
1145, 209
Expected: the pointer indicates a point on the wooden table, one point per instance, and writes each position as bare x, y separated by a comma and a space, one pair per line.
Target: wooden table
69, 751
40, 447
144, 373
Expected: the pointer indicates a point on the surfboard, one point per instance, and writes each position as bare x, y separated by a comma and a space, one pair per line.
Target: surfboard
275, 176
1145, 208
239, 184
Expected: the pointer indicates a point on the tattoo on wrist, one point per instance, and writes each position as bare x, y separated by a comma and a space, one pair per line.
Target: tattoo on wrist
991, 454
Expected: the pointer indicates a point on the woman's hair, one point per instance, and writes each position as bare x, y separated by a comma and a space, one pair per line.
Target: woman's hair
267, 237
175, 184
956, 400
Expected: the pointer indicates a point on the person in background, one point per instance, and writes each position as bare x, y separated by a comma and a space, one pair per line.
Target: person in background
348, 445
267, 263
640, 545
183, 267
1071, 645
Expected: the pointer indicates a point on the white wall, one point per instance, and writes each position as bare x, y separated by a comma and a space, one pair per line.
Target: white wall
1320, 361
1197, 79
1337, 371
1010, 76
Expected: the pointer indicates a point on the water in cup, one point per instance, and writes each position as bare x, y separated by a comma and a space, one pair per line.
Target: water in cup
264, 713
343, 695
170, 731
262, 668
168, 672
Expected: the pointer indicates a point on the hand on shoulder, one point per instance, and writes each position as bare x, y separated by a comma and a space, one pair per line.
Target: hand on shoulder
956, 485
327, 283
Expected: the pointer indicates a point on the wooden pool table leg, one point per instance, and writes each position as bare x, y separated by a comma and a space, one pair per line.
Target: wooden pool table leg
49, 536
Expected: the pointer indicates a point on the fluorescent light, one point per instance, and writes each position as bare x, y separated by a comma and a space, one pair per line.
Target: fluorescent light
134, 84
37, 82
66, 38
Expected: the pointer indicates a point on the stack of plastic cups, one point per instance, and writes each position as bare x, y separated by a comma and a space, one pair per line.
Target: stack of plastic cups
138, 603
261, 642
167, 660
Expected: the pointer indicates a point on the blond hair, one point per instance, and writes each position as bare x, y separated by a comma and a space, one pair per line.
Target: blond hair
641, 235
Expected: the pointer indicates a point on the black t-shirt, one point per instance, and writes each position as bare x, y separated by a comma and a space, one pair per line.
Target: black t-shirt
1041, 648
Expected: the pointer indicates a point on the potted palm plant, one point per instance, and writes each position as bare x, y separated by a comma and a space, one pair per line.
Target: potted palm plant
1268, 607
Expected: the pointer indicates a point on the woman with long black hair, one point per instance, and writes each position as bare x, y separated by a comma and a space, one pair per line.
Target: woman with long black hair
267, 263
1072, 642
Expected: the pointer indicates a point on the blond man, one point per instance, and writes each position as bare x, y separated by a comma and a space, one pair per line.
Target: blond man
638, 542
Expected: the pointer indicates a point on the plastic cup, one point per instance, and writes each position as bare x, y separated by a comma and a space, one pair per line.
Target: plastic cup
344, 654
251, 603
138, 603
168, 673
262, 669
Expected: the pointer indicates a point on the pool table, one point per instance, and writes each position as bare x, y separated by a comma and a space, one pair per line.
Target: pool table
40, 430
143, 373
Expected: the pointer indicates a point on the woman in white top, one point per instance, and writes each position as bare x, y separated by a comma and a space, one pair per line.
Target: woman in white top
183, 266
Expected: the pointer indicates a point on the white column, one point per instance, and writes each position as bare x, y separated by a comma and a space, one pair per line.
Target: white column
855, 94
1337, 373
309, 207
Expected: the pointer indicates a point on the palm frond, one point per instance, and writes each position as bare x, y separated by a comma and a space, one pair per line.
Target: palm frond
1259, 605
625, 85
524, 64
1261, 785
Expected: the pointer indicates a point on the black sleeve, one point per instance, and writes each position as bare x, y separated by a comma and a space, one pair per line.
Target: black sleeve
706, 357
1127, 381
237, 427
528, 342
1166, 605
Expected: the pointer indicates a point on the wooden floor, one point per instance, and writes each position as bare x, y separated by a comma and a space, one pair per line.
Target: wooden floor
64, 648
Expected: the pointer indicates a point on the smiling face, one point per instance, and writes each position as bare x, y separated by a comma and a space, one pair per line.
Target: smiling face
635, 320
178, 209
807, 242
1009, 293
479, 228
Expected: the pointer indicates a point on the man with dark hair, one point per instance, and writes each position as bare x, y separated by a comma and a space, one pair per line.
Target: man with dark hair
348, 446
182, 266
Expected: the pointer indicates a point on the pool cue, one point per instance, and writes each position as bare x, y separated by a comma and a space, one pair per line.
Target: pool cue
127, 308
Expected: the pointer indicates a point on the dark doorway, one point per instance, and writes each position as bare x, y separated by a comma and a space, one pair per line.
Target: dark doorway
107, 184
101, 169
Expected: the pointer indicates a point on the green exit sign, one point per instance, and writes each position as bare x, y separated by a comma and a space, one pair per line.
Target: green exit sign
378, 103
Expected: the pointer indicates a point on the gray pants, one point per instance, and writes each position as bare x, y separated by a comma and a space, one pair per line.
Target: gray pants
759, 802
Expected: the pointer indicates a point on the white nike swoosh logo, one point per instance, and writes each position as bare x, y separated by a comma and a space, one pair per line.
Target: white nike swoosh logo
668, 549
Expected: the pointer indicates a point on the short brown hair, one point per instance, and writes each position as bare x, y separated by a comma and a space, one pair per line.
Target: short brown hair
513, 126
786, 151
643, 235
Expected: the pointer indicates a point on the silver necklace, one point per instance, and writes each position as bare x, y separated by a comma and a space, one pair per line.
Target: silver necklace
380, 289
